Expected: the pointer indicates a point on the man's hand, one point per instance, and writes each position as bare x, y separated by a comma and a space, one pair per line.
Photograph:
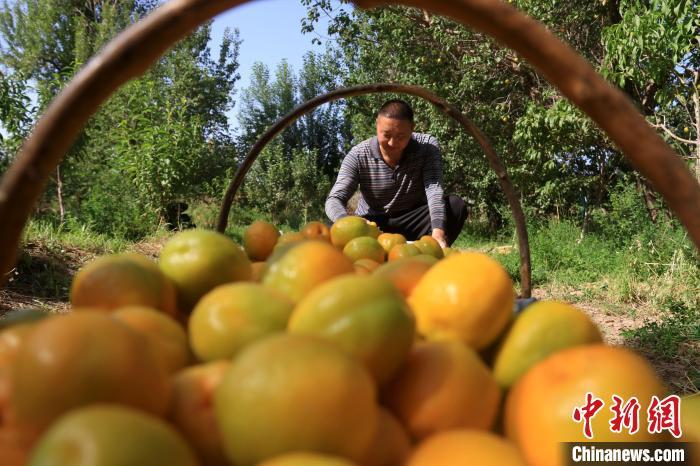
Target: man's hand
439, 236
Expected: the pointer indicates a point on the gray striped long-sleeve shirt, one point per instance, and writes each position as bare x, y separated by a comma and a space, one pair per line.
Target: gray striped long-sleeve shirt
415, 181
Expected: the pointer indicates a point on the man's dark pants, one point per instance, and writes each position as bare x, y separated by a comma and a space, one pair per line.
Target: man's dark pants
415, 223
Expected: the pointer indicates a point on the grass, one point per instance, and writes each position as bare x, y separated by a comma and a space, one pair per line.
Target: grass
673, 341
57, 237
53, 252
670, 337
638, 273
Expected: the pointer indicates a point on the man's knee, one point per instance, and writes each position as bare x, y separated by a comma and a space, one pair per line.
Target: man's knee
458, 207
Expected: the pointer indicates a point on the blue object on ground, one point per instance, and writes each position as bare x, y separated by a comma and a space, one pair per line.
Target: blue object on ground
521, 304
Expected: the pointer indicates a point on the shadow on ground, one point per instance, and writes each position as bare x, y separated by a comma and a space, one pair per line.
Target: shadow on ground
42, 273
672, 344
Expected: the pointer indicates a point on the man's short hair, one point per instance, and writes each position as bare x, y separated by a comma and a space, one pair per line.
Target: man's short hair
397, 109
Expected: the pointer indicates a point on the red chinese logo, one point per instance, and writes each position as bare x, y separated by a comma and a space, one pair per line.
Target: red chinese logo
626, 415
662, 415
665, 415
587, 412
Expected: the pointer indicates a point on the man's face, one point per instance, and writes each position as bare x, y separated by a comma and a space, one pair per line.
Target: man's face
393, 135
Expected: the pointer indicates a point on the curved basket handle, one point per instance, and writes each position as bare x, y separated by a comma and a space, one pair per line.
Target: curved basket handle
130, 53
606, 105
448, 109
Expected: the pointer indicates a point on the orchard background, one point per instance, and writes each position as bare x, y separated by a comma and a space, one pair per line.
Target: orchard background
600, 236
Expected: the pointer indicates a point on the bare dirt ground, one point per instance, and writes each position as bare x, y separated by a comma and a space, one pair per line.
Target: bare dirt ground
43, 275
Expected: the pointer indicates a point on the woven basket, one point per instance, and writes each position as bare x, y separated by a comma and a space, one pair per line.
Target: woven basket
131, 53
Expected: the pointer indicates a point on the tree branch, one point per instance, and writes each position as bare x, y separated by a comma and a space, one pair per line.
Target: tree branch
684, 105
670, 133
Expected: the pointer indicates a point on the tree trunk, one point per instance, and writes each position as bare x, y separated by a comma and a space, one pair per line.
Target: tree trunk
599, 190
696, 102
584, 226
494, 218
649, 198
59, 194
